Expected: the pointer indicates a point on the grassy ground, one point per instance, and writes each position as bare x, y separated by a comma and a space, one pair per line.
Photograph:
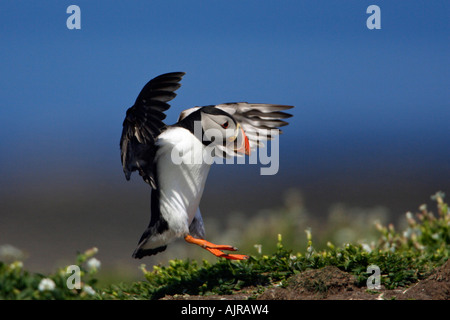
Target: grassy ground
404, 257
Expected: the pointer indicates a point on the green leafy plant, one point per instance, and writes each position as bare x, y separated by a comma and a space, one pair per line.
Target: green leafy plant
17, 283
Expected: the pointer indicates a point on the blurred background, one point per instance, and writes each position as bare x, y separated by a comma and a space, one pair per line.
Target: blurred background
369, 137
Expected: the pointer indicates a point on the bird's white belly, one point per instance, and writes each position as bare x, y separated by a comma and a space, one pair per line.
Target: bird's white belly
181, 178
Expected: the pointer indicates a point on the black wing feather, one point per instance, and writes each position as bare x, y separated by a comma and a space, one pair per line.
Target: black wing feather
143, 123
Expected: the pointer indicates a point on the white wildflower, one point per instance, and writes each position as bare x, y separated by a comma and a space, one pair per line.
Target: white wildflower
46, 284
308, 234
93, 264
408, 233
16, 265
366, 247
89, 290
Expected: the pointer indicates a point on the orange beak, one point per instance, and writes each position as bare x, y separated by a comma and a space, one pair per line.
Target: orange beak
245, 146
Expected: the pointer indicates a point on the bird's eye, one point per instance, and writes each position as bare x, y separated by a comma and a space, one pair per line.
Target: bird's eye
225, 125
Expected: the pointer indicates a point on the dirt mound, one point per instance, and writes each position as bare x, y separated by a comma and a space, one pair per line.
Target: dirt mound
331, 283
435, 287
334, 284
326, 283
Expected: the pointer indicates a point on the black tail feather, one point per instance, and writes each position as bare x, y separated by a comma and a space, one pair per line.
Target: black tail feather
139, 253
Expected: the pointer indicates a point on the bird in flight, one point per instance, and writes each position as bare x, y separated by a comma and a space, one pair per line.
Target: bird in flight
173, 159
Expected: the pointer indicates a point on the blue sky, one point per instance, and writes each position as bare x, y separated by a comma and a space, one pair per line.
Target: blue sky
64, 92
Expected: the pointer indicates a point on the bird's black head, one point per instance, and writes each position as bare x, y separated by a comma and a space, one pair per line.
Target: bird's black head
215, 127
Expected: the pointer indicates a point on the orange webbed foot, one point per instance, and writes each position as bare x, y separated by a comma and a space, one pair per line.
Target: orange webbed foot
222, 254
216, 249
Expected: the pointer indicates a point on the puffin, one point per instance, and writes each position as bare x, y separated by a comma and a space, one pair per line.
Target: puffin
174, 160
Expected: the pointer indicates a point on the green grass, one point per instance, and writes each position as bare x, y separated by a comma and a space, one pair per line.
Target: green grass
404, 257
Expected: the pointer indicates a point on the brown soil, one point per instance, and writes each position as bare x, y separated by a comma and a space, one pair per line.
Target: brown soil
330, 283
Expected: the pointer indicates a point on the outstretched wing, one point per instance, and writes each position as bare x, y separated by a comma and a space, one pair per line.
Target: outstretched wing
260, 122
144, 122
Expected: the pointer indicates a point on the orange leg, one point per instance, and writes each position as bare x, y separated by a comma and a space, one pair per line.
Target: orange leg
216, 249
